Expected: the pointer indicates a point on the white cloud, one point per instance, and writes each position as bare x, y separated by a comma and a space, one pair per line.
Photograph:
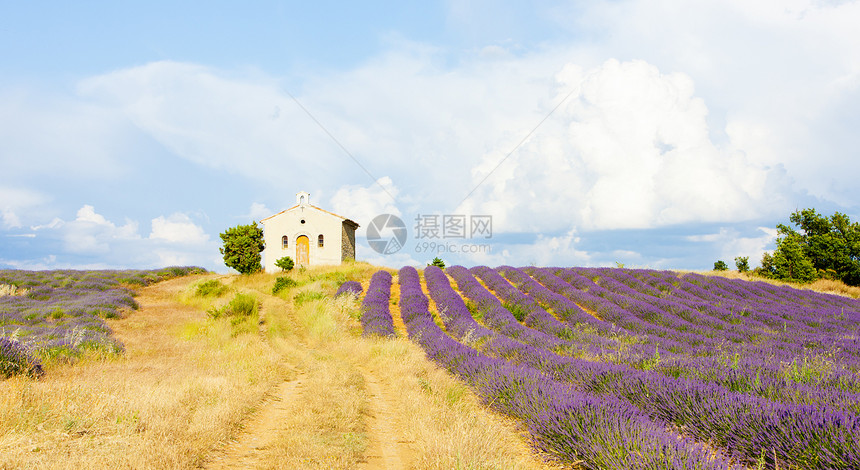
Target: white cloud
703, 125
363, 203
58, 136
395, 260
16, 201
781, 77
259, 211
93, 241
177, 228
91, 232
55, 223
238, 124
731, 244
9, 218
630, 149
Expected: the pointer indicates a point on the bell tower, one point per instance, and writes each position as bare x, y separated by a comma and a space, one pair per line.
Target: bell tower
303, 198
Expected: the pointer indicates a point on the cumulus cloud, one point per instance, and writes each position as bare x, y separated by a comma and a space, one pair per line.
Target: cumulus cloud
783, 82
93, 241
545, 250
630, 149
177, 228
704, 127
91, 232
731, 243
14, 201
239, 124
363, 203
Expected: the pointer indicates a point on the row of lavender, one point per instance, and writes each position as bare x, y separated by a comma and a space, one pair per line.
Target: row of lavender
577, 426
744, 424
772, 363
610, 355
46, 313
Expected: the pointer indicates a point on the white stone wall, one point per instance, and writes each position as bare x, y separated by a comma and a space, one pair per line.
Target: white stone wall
289, 223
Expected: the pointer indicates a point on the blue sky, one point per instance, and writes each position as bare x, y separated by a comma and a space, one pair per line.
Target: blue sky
661, 134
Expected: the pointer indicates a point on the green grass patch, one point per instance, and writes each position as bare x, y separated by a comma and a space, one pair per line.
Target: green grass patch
242, 305
307, 296
211, 288
283, 283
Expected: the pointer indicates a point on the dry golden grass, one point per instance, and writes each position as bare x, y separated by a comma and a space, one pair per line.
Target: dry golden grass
189, 387
826, 286
418, 416
184, 383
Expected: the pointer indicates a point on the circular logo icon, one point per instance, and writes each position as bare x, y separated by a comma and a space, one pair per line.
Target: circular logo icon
386, 234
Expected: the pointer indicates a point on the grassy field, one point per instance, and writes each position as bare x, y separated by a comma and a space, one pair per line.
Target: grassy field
211, 380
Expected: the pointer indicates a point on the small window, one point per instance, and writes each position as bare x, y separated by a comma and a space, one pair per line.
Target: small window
285, 241
321, 240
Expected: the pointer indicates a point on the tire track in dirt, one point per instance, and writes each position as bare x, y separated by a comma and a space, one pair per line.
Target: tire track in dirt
387, 449
262, 430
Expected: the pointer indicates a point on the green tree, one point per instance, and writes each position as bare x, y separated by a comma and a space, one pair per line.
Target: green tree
831, 244
242, 247
742, 263
789, 262
437, 261
720, 265
285, 263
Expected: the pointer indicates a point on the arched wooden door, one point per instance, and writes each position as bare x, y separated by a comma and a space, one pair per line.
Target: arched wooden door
303, 247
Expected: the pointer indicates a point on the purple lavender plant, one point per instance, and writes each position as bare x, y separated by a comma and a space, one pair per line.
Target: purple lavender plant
350, 287
575, 426
375, 315
63, 312
14, 360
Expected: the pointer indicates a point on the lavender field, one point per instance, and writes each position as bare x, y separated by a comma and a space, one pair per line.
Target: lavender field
623, 368
45, 314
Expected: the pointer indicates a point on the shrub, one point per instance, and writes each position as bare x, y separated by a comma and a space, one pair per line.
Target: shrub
282, 283
242, 305
721, 265
285, 263
211, 288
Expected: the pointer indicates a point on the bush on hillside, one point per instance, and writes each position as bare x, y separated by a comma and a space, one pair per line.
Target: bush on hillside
285, 263
242, 305
282, 283
211, 288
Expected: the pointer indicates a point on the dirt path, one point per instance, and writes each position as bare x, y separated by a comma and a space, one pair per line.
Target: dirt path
260, 434
387, 449
261, 430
